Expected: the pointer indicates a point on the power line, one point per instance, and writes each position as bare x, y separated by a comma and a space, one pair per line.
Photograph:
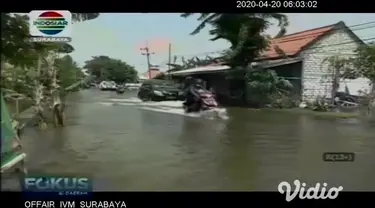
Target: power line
330, 45
312, 35
335, 29
306, 36
293, 39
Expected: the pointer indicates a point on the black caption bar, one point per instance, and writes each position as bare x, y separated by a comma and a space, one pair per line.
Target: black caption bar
228, 6
190, 200
74, 203
338, 156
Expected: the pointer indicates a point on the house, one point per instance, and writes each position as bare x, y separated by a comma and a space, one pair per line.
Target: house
302, 58
153, 72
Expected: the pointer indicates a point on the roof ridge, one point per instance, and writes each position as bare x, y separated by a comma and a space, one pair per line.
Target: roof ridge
293, 43
317, 28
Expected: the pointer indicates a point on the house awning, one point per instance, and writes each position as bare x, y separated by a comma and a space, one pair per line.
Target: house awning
222, 68
141, 77
278, 62
201, 70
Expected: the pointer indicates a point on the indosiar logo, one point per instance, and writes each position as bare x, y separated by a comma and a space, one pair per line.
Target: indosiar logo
63, 185
50, 26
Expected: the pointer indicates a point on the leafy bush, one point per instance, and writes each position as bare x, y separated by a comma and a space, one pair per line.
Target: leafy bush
265, 87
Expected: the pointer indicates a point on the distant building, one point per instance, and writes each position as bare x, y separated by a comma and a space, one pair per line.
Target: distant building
146, 75
85, 72
303, 60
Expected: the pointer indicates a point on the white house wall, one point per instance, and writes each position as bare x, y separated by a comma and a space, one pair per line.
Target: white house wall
317, 78
356, 86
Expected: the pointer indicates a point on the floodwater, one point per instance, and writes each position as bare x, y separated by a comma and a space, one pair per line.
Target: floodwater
126, 145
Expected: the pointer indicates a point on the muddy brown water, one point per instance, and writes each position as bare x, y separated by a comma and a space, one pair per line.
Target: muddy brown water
127, 148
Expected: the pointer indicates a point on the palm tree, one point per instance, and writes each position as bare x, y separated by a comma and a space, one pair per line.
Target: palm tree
79, 17
205, 18
243, 31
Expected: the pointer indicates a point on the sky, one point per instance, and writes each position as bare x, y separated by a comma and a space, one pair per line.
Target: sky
121, 35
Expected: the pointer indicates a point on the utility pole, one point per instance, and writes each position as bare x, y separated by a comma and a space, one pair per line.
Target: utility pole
169, 56
147, 53
169, 59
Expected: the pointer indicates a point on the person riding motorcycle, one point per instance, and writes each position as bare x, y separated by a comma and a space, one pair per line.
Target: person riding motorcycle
188, 81
192, 93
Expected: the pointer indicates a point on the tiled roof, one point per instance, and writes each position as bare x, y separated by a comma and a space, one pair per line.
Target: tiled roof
294, 43
290, 45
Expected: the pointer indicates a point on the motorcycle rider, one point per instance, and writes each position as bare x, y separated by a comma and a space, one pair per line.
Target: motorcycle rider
192, 93
188, 81
187, 84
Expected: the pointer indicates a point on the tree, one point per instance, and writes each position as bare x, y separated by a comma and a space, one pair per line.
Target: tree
35, 61
364, 63
79, 17
106, 68
245, 32
191, 63
15, 48
361, 65
68, 71
338, 68
95, 66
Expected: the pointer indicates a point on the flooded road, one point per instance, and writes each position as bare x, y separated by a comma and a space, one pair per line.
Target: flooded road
130, 148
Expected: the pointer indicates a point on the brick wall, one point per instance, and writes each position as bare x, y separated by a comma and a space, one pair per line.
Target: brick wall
317, 77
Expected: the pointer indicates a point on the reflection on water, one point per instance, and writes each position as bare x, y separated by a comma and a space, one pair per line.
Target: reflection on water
133, 149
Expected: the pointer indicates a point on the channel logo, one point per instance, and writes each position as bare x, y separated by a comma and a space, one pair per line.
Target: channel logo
51, 25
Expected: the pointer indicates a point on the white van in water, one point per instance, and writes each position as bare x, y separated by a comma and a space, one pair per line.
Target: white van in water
107, 85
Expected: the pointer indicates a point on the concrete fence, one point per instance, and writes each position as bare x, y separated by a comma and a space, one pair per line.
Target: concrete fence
18, 105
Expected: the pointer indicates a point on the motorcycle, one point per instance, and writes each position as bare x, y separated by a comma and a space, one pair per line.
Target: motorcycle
207, 105
120, 90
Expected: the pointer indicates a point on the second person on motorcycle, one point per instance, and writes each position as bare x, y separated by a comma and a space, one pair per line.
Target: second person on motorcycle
193, 101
